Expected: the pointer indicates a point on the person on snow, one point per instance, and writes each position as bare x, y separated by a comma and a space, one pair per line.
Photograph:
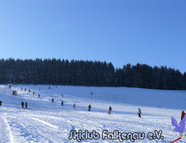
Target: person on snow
74, 106
52, 100
182, 114
89, 107
139, 112
110, 109
22, 103
26, 105
62, 103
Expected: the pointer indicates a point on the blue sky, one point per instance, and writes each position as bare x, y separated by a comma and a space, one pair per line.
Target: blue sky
150, 32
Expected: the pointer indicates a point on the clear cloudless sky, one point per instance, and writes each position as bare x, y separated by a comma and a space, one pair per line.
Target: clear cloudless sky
149, 32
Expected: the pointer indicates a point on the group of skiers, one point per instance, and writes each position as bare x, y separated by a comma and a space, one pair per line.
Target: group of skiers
139, 113
110, 110
22, 104
74, 105
89, 107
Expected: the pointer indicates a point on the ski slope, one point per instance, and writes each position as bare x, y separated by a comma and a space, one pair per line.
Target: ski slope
47, 122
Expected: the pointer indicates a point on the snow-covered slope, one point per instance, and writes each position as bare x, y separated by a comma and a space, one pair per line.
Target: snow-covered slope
45, 121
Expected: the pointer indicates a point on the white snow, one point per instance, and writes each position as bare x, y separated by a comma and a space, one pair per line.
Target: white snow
47, 122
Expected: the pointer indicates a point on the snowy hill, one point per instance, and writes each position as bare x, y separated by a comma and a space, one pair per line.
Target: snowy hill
45, 121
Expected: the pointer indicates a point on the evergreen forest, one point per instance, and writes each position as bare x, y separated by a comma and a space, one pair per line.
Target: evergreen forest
89, 73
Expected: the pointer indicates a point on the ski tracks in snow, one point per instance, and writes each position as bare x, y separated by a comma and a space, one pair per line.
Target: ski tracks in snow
6, 132
29, 129
46, 123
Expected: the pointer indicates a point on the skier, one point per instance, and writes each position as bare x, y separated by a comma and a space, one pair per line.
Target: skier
22, 103
139, 112
89, 107
49, 87
182, 114
62, 103
110, 109
1, 103
26, 105
52, 100
38, 95
74, 106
